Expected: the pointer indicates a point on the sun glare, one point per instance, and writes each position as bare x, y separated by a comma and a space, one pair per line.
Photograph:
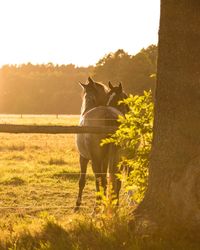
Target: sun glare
74, 31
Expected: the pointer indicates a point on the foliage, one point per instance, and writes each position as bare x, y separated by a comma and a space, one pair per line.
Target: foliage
41, 89
133, 70
134, 136
54, 89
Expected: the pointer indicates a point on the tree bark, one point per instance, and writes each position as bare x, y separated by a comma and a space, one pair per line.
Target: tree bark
173, 195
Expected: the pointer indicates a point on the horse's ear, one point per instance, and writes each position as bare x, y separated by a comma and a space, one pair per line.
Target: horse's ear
83, 85
90, 80
110, 85
120, 86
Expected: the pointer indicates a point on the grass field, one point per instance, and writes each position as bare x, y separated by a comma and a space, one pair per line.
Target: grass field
40, 172
38, 190
39, 119
39, 185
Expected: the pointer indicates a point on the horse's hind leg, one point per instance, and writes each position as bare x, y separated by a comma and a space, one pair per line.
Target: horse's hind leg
116, 182
83, 165
96, 166
104, 174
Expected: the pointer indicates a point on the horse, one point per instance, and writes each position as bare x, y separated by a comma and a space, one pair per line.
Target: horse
97, 95
115, 95
94, 112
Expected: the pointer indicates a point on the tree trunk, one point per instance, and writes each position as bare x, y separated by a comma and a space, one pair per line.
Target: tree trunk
173, 195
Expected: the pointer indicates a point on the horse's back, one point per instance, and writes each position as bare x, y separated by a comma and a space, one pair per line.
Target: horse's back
89, 144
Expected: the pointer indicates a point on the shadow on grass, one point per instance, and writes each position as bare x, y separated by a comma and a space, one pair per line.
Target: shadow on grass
65, 175
82, 235
90, 234
57, 161
13, 147
52, 236
14, 181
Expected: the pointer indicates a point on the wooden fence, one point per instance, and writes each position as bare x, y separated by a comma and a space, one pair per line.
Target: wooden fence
45, 129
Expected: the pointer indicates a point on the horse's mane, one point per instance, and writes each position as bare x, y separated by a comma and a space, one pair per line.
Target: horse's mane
95, 94
106, 88
103, 85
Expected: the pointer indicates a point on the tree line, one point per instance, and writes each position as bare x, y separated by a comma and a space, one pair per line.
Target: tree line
54, 89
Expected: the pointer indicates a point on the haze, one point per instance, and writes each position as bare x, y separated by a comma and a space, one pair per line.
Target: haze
74, 31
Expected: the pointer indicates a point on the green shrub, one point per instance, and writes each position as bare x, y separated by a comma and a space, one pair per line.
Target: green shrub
134, 136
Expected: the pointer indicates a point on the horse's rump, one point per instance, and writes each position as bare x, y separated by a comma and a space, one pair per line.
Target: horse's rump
89, 144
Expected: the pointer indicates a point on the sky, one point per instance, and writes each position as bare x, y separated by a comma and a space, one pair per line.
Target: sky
74, 31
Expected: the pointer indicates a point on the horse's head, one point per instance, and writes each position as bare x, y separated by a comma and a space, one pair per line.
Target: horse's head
94, 94
101, 91
115, 95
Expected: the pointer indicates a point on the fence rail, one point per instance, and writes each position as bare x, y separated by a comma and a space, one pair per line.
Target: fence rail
45, 129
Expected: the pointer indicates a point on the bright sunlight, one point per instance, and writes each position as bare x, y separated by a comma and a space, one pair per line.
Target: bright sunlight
74, 31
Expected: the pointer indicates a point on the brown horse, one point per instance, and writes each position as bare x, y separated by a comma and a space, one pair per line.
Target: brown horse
94, 112
115, 95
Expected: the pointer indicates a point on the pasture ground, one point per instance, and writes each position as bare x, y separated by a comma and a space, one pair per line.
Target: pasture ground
39, 175
40, 172
38, 190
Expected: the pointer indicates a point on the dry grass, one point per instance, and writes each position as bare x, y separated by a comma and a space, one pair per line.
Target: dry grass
36, 171
38, 189
40, 119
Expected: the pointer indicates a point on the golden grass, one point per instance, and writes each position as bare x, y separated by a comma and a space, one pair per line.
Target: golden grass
40, 119
38, 190
39, 172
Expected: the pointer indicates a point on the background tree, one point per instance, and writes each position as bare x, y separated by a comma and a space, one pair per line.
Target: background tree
50, 89
134, 71
41, 89
173, 196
